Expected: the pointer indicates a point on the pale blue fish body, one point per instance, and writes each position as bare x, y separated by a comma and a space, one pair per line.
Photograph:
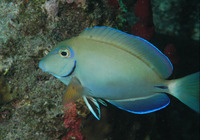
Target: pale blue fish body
113, 76
125, 70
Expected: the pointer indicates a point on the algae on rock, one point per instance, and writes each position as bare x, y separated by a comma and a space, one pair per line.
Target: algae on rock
27, 35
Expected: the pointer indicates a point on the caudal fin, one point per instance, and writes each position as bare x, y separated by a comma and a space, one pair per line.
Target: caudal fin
186, 89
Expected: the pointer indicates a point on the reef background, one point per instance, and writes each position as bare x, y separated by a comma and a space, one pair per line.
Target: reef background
30, 100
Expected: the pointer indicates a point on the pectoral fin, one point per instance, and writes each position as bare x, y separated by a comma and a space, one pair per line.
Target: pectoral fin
93, 106
73, 92
143, 105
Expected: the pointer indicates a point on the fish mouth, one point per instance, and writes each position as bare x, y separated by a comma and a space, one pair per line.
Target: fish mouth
72, 70
41, 66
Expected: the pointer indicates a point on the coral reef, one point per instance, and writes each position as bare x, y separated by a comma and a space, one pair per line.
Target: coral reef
28, 32
32, 100
5, 95
5, 63
82, 2
144, 27
172, 16
113, 3
51, 7
8, 26
73, 122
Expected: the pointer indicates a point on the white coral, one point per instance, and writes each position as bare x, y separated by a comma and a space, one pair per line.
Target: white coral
51, 7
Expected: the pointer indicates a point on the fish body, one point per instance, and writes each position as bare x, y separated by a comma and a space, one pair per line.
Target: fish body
125, 70
104, 73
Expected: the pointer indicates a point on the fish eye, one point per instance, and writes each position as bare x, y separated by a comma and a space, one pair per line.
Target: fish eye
64, 52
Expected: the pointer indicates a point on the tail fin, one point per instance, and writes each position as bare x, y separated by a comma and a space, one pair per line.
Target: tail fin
186, 89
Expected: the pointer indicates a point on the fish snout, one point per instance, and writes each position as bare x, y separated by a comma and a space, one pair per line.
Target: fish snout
41, 66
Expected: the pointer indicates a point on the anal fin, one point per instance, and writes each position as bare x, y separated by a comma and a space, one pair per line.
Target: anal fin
143, 105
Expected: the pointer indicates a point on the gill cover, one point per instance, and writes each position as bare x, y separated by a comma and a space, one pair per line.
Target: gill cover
60, 62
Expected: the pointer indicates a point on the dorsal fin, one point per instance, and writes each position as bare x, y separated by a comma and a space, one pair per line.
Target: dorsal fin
134, 45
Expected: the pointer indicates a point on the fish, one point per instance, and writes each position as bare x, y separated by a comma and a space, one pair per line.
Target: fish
105, 65
75, 90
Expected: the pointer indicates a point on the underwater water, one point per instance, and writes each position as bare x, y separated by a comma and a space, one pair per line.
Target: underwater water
31, 100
